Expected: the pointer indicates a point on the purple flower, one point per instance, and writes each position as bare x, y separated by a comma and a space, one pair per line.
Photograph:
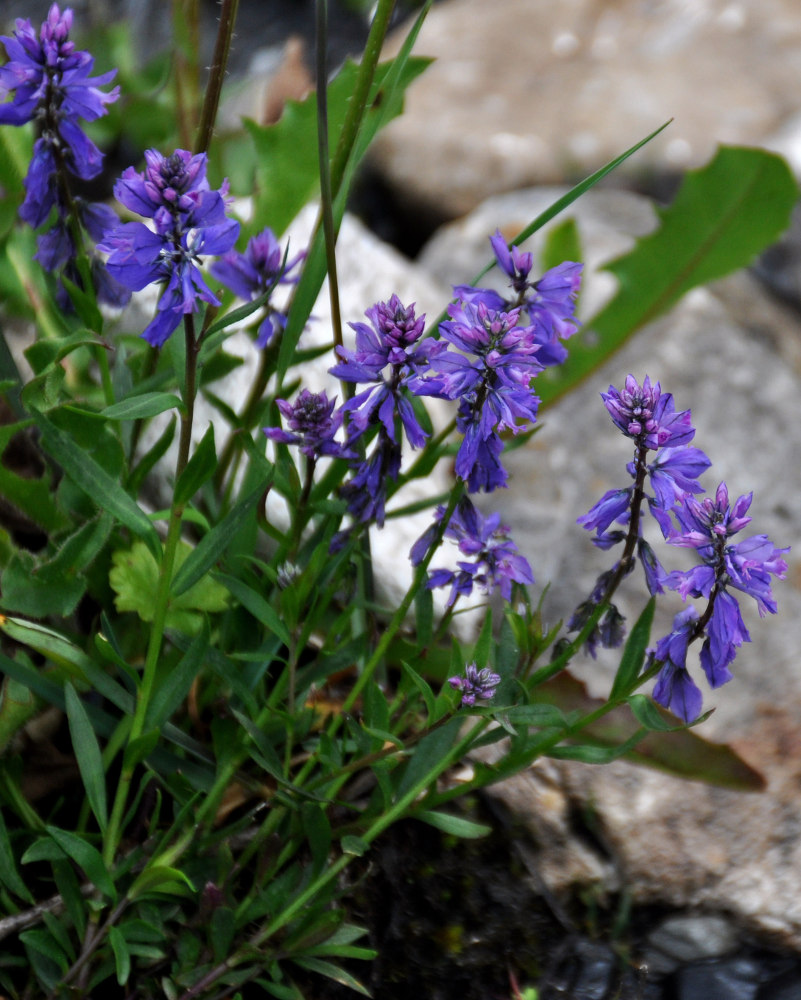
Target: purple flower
646, 414
256, 272
50, 78
674, 472
549, 302
613, 506
674, 688
475, 684
494, 561
707, 525
366, 490
189, 223
491, 378
312, 425
175, 182
388, 355
52, 86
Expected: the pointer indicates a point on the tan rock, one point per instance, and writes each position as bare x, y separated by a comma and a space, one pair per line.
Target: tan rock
528, 91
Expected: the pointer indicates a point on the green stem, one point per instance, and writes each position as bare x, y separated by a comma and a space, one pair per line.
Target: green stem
162, 599
222, 49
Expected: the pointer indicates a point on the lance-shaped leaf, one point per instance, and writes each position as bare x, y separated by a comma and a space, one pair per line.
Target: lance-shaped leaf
723, 216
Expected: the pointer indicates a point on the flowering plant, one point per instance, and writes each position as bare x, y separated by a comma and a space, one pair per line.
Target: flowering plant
245, 713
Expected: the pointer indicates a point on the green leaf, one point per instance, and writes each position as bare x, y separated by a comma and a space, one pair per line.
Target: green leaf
122, 957
332, 971
96, 483
9, 875
354, 846
87, 754
724, 215
562, 243
458, 826
173, 689
287, 171
199, 469
146, 404
34, 497
134, 579
254, 602
682, 753
85, 857
214, 544
222, 931
634, 652
651, 716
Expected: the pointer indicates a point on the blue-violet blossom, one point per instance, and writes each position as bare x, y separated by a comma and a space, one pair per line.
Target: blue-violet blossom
257, 272
475, 684
494, 561
189, 221
707, 526
52, 87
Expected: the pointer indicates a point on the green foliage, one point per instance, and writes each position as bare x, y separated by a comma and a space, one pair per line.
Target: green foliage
134, 578
724, 214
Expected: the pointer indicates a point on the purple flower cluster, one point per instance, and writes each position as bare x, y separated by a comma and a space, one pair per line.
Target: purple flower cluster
493, 560
52, 87
501, 345
707, 526
189, 220
390, 358
475, 684
312, 423
258, 272
648, 416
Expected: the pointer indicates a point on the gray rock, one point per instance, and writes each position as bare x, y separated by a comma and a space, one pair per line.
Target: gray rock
732, 355
527, 91
689, 938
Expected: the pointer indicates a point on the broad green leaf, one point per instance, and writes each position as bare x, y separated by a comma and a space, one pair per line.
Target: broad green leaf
457, 826
287, 172
146, 404
429, 758
682, 753
214, 544
724, 215
633, 655
87, 754
34, 497
96, 483
562, 243
134, 579
26, 591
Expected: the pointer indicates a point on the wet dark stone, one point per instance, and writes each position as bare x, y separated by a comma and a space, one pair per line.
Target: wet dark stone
786, 986
724, 979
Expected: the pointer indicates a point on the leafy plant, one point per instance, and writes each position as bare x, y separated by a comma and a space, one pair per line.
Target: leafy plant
244, 716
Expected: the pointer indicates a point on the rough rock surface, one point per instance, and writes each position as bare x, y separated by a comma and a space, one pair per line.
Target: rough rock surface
528, 91
733, 356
